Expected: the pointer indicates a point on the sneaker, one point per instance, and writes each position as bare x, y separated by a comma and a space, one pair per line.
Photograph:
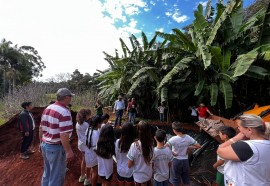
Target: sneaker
86, 182
24, 156
30, 151
82, 178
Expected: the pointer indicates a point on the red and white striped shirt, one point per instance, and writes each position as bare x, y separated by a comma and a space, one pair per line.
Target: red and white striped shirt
56, 119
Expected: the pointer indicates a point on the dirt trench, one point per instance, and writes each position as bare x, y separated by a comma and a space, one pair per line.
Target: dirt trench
15, 171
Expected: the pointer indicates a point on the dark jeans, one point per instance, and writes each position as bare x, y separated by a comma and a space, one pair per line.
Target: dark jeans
161, 116
131, 117
26, 141
119, 114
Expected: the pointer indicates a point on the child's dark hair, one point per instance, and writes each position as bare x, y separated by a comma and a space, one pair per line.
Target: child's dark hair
177, 126
146, 138
104, 117
94, 123
88, 112
229, 131
105, 144
127, 137
160, 135
82, 115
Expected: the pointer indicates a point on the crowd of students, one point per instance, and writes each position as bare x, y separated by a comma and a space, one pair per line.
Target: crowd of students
137, 159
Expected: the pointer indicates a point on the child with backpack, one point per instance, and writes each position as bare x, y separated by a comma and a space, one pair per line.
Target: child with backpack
92, 136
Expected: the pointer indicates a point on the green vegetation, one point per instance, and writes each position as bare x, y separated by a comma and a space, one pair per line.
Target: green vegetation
222, 59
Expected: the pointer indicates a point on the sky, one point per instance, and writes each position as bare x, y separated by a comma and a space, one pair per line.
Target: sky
72, 34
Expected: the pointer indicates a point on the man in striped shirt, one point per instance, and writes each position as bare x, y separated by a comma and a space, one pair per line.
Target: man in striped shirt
55, 127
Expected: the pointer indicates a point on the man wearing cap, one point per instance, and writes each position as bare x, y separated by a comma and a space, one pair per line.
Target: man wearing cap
55, 127
119, 108
26, 126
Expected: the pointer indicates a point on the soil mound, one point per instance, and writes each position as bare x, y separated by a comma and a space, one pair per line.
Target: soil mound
15, 171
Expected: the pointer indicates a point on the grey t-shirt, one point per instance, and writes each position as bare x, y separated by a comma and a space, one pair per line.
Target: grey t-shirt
162, 158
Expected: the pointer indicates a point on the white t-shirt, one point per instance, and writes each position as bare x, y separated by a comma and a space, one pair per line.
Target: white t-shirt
162, 157
80, 129
161, 109
193, 112
179, 146
122, 162
221, 167
102, 125
105, 167
31, 116
90, 154
142, 172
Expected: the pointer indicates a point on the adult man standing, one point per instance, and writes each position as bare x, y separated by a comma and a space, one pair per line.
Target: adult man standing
55, 127
132, 110
26, 126
119, 108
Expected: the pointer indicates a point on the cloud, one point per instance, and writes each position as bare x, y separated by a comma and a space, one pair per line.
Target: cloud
178, 18
160, 29
117, 9
133, 23
168, 14
203, 3
152, 3
176, 15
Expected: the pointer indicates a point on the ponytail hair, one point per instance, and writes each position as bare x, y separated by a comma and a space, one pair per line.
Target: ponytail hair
81, 116
257, 123
95, 121
146, 138
267, 130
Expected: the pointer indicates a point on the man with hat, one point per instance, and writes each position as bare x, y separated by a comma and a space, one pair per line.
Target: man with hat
55, 128
119, 108
26, 126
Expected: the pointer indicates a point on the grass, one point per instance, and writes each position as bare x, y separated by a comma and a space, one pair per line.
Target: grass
2, 119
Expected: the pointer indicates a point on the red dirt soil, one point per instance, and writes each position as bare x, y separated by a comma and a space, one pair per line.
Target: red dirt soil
15, 171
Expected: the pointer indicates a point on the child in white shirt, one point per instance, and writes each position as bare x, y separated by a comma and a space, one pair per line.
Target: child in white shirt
161, 110
122, 145
105, 151
162, 160
92, 135
81, 126
140, 155
179, 145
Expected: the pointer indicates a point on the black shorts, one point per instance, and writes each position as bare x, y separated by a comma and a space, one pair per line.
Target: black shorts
104, 178
120, 178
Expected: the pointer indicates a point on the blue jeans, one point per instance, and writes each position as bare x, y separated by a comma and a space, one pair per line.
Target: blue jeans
163, 183
54, 157
131, 117
119, 114
161, 116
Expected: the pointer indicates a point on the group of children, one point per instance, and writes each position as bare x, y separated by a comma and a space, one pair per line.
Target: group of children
140, 154
137, 158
